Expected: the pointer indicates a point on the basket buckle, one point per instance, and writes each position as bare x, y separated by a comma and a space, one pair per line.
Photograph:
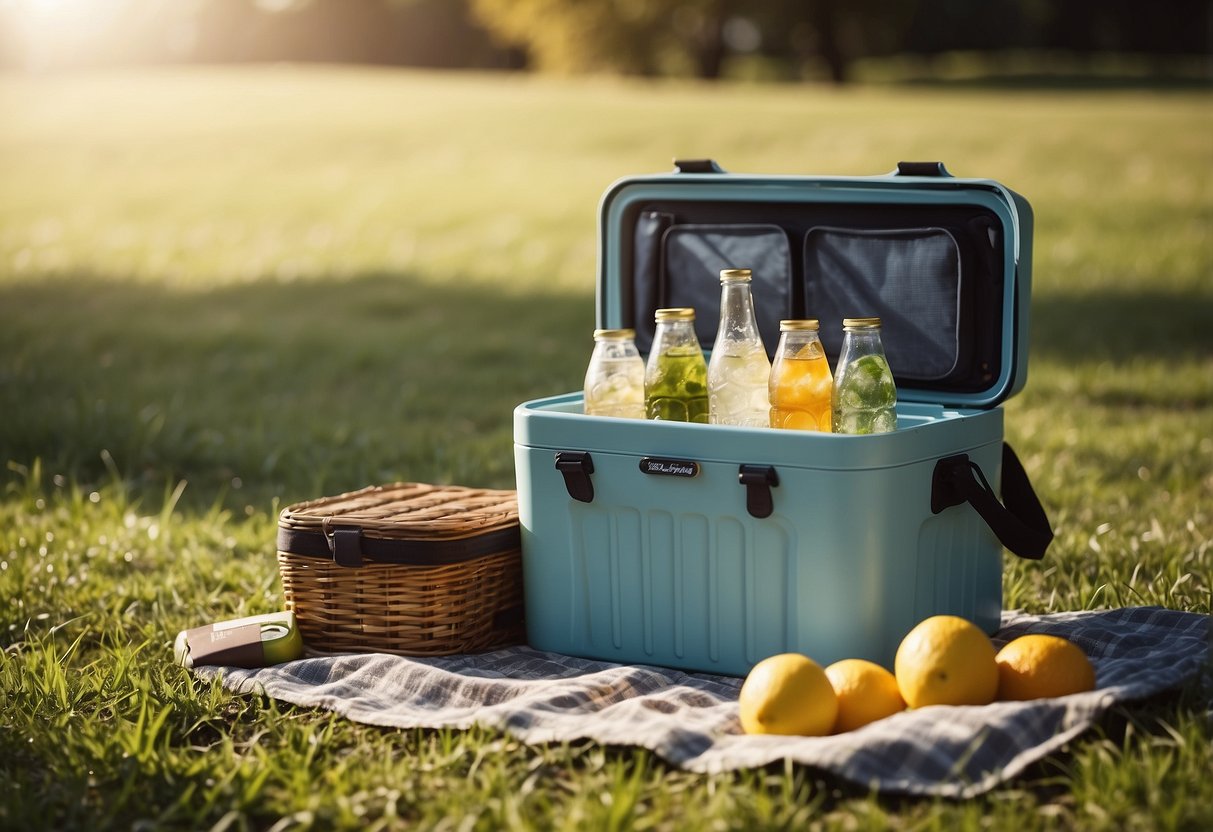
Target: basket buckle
345, 542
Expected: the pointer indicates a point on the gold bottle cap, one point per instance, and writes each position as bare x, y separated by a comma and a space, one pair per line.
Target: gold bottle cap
800, 325
677, 313
606, 334
861, 323
734, 275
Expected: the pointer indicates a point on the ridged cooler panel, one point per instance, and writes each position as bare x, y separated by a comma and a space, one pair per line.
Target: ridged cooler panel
684, 586
959, 569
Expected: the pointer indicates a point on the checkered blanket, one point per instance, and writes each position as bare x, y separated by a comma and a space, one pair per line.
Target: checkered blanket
690, 719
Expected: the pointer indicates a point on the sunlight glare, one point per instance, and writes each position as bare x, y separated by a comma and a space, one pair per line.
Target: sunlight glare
63, 33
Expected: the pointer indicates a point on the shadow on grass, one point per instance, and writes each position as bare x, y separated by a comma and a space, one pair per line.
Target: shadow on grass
298, 389
1086, 327
281, 389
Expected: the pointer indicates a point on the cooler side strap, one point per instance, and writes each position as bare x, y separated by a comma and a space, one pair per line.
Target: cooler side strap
1019, 522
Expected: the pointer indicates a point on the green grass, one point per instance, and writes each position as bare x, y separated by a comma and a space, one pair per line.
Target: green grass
225, 290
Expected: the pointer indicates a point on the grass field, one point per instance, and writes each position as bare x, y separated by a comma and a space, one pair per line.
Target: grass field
222, 291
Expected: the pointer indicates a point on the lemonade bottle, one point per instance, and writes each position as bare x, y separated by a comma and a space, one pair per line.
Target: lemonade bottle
614, 381
865, 397
801, 386
676, 376
739, 370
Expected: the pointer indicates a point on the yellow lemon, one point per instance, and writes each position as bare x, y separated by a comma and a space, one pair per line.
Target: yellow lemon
1039, 666
946, 660
787, 694
866, 692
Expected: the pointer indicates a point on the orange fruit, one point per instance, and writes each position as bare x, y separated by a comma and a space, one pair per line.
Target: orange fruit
946, 660
787, 694
866, 692
1039, 666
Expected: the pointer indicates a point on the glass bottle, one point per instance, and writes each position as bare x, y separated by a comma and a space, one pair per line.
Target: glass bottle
865, 396
676, 376
614, 380
739, 370
801, 387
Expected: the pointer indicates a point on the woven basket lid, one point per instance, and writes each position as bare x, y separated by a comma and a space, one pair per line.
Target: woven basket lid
424, 515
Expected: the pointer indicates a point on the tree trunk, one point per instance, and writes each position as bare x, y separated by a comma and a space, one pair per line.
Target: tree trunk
710, 54
708, 44
825, 22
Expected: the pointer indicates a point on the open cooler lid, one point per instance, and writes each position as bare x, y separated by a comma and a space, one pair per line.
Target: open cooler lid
944, 262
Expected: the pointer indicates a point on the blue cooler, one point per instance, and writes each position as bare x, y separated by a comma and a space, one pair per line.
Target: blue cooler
709, 547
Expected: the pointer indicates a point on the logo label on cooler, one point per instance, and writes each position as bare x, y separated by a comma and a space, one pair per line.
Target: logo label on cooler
669, 467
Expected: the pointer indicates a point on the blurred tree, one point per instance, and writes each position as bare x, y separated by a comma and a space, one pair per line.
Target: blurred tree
433, 33
1163, 27
643, 37
702, 38
693, 36
936, 26
570, 36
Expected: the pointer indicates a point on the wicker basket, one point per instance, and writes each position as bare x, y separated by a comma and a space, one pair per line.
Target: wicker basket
408, 568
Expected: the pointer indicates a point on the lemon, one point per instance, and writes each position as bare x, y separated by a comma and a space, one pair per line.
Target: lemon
787, 694
866, 692
1040, 666
946, 660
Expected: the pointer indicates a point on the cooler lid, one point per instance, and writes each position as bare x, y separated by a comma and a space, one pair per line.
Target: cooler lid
944, 262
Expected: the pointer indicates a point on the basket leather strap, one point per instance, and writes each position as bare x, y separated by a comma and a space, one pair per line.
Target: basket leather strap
348, 546
1019, 522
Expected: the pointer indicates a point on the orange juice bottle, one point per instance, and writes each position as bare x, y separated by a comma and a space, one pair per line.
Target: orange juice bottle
801, 384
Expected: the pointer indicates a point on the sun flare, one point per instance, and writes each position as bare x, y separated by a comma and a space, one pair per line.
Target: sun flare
51, 34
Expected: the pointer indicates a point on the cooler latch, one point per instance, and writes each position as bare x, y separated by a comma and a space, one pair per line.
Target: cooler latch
576, 466
758, 481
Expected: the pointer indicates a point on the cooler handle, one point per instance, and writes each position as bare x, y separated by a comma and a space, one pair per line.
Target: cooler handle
1020, 523
921, 169
697, 166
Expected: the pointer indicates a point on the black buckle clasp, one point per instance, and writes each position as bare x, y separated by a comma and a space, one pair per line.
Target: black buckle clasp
758, 481
576, 466
345, 542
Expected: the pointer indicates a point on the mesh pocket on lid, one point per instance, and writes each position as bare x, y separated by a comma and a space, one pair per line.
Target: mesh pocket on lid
693, 256
910, 278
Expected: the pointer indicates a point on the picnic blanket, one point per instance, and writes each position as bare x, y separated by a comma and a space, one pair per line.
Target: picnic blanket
690, 719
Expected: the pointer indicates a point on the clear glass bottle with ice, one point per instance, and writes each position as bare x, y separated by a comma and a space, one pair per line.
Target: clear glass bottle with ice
865, 395
614, 380
739, 370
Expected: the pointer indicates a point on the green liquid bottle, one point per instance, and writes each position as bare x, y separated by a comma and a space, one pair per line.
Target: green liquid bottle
676, 376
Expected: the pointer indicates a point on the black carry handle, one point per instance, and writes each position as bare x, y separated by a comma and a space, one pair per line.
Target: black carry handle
1020, 524
697, 166
921, 169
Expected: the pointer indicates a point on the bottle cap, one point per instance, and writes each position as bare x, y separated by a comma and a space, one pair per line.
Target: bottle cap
861, 323
800, 325
610, 334
734, 275
677, 313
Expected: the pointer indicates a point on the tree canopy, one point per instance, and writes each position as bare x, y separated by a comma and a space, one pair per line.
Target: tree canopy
791, 39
